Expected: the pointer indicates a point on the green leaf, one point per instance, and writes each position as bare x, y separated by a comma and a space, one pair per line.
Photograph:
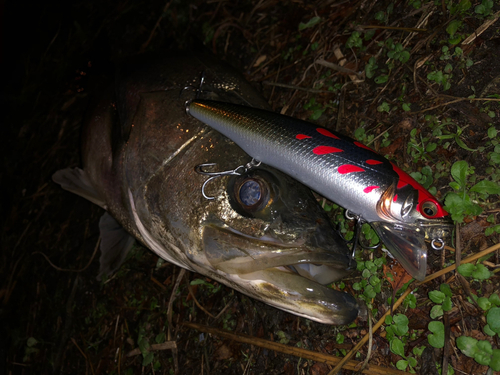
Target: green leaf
463, 145
466, 269
481, 272
459, 172
484, 303
436, 311
486, 186
483, 355
436, 296
31, 342
467, 345
148, 358
445, 288
493, 319
402, 364
495, 360
488, 330
436, 339
447, 305
453, 27
495, 299
412, 361
492, 132
418, 350
495, 157
397, 347
313, 21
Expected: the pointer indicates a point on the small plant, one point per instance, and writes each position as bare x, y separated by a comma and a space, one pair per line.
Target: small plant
312, 22
213, 289
442, 298
398, 326
476, 271
354, 40
371, 283
459, 203
419, 148
481, 351
441, 78
396, 51
371, 67
436, 338
485, 8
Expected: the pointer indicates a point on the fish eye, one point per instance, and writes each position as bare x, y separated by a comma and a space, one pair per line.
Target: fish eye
252, 193
429, 208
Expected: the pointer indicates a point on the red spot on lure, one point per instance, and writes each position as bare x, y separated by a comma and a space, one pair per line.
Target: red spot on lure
349, 168
369, 189
362, 146
326, 133
322, 150
302, 136
373, 162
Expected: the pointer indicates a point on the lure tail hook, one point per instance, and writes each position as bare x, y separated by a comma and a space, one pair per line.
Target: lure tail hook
238, 171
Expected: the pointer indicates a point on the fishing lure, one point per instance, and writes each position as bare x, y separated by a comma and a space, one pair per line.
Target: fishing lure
373, 189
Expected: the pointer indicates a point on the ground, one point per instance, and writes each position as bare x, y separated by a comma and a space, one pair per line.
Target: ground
416, 96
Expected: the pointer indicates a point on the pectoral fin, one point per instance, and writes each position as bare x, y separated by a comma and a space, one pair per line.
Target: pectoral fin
76, 181
115, 245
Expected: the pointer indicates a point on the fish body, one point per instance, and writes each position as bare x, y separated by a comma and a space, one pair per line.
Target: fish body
263, 234
341, 169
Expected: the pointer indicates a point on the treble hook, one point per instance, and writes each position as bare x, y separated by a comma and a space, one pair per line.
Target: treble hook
238, 171
355, 241
197, 90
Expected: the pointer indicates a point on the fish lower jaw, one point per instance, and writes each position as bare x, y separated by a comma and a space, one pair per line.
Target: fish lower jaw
298, 295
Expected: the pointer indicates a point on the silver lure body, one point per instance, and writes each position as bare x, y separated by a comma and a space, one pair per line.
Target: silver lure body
140, 150
343, 170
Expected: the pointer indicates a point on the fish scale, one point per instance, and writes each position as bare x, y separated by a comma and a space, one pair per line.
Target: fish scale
403, 213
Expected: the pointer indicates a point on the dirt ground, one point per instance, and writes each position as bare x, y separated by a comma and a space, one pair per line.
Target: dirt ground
56, 318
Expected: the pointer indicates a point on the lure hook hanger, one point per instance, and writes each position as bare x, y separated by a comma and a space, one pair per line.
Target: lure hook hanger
238, 171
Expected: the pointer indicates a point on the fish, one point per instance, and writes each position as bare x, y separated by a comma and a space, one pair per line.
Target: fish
369, 186
263, 234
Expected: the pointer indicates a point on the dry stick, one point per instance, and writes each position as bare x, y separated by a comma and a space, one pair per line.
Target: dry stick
365, 338
164, 346
481, 29
67, 269
191, 292
292, 350
400, 300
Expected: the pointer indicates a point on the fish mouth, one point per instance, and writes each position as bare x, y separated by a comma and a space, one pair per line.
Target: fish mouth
290, 276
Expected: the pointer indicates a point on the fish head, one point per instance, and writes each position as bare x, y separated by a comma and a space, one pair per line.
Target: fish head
410, 215
268, 234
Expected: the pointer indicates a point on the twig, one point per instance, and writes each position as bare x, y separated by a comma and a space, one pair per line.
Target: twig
409, 29
164, 346
146, 43
293, 87
84, 355
292, 350
197, 303
67, 269
182, 272
336, 67
358, 346
481, 29
454, 266
370, 341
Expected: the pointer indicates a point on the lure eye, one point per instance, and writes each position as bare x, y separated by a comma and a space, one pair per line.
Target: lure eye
429, 208
252, 193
